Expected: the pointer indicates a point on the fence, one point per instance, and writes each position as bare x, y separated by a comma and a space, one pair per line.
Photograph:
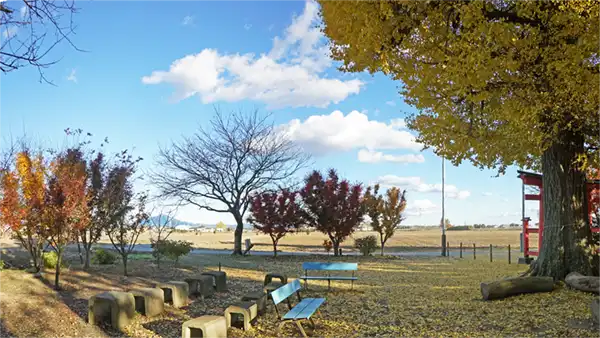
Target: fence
463, 252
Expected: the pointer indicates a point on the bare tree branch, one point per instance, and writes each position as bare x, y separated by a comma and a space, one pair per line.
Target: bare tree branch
237, 156
30, 29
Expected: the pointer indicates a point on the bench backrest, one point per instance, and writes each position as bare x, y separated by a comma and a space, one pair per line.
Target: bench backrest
329, 266
285, 291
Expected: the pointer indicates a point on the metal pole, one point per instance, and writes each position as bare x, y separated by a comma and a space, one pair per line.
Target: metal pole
443, 208
522, 212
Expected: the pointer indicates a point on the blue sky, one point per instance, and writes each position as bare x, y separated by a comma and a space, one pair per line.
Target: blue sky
154, 71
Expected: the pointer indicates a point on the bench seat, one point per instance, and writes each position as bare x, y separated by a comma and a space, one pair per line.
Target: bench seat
329, 278
305, 309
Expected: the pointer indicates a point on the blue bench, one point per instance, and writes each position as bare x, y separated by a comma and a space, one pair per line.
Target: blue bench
315, 266
302, 311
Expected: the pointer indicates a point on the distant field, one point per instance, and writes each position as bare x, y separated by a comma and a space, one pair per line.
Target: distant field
403, 239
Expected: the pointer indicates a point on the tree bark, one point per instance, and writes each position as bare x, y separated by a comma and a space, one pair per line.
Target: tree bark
514, 286
274, 248
567, 233
583, 283
57, 274
88, 249
237, 237
124, 257
336, 247
382, 245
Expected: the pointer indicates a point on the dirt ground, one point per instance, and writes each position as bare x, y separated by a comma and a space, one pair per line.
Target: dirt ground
394, 297
403, 240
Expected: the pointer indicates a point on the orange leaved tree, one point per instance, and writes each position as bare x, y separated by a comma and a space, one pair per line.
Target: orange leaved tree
66, 203
22, 201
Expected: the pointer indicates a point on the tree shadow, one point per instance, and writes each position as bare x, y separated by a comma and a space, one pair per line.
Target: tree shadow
4, 331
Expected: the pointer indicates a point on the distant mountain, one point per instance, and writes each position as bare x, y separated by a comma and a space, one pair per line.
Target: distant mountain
161, 219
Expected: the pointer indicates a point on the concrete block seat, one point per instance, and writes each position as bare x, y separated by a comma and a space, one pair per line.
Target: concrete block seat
269, 285
247, 310
205, 327
258, 297
116, 307
175, 292
220, 279
149, 302
201, 285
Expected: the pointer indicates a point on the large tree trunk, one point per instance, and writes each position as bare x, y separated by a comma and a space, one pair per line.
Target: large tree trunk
567, 234
336, 247
88, 249
274, 248
237, 239
124, 264
514, 286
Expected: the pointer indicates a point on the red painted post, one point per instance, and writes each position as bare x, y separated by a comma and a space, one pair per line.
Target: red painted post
526, 236
541, 227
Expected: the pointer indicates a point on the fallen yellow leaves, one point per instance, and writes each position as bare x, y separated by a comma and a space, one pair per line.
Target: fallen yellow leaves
393, 297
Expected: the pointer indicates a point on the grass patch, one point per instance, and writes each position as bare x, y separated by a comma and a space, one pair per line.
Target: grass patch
416, 297
140, 257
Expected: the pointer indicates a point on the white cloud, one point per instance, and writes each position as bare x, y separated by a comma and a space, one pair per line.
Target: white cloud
247, 26
289, 75
338, 132
10, 32
420, 207
391, 103
72, 76
370, 156
414, 183
398, 123
188, 20
487, 193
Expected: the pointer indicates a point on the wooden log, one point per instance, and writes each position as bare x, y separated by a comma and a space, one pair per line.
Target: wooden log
515, 286
596, 310
583, 283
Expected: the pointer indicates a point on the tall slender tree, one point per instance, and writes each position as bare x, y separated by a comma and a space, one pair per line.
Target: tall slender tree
385, 212
276, 214
65, 210
23, 186
332, 206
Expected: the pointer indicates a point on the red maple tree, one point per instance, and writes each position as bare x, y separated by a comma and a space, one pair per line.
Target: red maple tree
275, 214
332, 206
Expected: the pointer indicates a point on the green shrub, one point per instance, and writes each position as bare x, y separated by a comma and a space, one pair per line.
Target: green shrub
459, 227
104, 257
50, 259
171, 249
366, 245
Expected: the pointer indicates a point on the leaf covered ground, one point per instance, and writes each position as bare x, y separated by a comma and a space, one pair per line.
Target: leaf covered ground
394, 297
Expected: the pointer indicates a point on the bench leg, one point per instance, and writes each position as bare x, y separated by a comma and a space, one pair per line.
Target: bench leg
301, 329
312, 323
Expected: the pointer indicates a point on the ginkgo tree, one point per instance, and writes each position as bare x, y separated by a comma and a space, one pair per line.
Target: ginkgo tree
385, 212
496, 83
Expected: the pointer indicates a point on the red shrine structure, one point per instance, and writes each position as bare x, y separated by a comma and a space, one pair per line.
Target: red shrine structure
534, 179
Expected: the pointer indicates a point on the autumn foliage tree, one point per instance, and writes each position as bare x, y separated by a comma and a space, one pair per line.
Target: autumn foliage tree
497, 83
385, 211
23, 187
66, 204
275, 214
332, 206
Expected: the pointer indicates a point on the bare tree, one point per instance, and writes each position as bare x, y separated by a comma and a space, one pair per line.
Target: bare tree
31, 29
161, 227
218, 169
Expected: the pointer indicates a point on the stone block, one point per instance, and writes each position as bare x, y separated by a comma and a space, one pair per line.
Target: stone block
116, 307
260, 298
220, 279
149, 301
205, 327
270, 276
247, 310
175, 292
201, 285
